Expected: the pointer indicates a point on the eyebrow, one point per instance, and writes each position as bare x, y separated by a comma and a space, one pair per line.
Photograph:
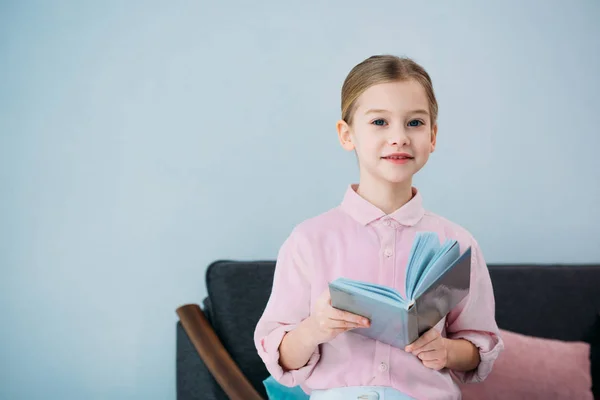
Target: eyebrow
377, 111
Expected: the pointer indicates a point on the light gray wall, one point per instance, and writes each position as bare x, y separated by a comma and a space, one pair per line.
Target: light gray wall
141, 141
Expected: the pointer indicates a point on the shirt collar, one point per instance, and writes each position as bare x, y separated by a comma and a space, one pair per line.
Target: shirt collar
365, 213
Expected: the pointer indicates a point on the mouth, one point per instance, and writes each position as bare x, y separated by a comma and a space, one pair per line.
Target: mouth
398, 157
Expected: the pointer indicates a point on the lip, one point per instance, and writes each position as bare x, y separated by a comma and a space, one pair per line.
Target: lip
402, 158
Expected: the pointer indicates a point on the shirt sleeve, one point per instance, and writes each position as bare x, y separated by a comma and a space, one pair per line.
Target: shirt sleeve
288, 305
474, 320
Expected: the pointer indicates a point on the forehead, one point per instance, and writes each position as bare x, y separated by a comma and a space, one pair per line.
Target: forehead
394, 96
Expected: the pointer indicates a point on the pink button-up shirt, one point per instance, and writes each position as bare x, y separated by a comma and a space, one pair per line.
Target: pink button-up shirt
357, 240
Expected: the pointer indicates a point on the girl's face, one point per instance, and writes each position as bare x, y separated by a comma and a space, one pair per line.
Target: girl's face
391, 131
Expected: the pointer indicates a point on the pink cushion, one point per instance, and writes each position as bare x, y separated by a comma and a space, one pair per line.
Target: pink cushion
536, 368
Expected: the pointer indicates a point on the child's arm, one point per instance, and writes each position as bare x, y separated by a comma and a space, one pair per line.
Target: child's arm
324, 324
473, 343
437, 352
296, 347
462, 355
473, 321
287, 308
285, 337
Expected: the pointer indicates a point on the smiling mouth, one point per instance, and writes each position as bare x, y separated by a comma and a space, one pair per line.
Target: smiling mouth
398, 157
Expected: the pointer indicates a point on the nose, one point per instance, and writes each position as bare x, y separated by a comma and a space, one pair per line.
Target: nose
398, 137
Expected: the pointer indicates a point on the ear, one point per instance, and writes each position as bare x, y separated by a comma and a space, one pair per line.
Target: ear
433, 137
344, 134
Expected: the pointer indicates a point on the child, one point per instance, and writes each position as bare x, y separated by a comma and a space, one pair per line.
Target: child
389, 113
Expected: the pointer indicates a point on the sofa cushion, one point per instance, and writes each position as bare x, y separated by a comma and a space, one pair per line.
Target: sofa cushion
277, 391
536, 368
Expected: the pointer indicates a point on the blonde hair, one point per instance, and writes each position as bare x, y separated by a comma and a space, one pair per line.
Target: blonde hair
382, 69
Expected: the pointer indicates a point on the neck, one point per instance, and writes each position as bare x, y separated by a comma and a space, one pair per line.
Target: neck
388, 197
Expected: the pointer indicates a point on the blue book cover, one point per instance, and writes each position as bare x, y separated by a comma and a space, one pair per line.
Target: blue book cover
437, 279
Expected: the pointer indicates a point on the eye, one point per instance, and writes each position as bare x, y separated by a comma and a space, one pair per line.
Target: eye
379, 122
415, 123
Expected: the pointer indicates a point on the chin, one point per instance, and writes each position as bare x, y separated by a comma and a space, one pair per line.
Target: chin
397, 178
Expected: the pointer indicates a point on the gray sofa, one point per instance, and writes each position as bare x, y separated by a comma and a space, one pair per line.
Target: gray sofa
551, 301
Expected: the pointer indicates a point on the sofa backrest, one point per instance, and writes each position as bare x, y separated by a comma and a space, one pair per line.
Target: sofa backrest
552, 301
238, 293
557, 302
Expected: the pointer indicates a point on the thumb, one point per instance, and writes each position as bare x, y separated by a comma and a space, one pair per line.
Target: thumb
325, 297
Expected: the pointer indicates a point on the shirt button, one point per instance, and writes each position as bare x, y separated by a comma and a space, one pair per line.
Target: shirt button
383, 367
388, 222
388, 253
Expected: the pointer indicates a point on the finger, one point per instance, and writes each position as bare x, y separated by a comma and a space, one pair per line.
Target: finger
325, 297
341, 315
431, 355
348, 318
436, 365
435, 344
338, 331
418, 344
360, 322
337, 324
426, 338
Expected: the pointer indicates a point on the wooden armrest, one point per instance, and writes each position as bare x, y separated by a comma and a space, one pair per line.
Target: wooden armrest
215, 356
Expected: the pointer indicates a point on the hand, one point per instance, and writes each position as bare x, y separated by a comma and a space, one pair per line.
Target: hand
431, 348
327, 322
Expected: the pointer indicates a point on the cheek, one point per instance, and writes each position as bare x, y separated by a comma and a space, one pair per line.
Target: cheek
422, 143
368, 145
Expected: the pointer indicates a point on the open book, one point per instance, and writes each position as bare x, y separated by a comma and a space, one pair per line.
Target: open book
437, 279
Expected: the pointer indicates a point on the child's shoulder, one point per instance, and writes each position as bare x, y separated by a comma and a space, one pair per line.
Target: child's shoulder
450, 229
326, 222
322, 225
